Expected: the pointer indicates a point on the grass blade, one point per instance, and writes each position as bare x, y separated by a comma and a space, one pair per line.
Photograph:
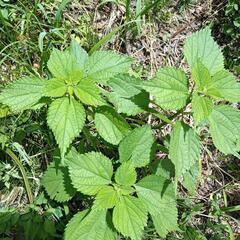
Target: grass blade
23, 172
138, 19
58, 16
149, 7
108, 37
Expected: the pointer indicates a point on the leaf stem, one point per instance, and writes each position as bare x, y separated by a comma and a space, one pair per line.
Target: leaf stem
160, 116
23, 172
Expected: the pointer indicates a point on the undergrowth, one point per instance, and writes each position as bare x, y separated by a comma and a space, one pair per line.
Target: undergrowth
93, 94
91, 150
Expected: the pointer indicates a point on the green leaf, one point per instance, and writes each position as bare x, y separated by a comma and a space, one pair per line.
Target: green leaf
62, 64
8, 218
185, 148
79, 53
200, 75
23, 93
191, 177
201, 46
4, 111
102, 65
88, 93
90, 172
156, 192
124, 190
90, 226
66, 118
55, 88
57, 183
191, 233
165, 222
130, 106
130, 217
110, 125
127, 95
201, 107
169, 87
158, 195
126, 174
107, 197
223, 85
225, 129
136, 147
125, 85
164, 168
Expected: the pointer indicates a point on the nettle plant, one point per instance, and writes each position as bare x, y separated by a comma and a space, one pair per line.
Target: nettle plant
130, 189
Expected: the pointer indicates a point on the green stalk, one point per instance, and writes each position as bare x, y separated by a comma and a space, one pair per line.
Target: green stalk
23, 172
108, 37
147, 8
160, 116
127, 10
138, 19
59, 13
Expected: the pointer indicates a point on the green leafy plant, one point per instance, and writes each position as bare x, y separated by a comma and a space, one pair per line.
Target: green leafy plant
75, 75
94, 99
92, 173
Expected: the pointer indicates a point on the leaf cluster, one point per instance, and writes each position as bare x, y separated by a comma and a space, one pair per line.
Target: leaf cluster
97, 92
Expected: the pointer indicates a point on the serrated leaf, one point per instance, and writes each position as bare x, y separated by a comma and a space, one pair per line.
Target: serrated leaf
79, 53
169, 87
55, 88
124, 190
4, 111
158, 195
90, 226
201, 46
88, 93
102, 65
156, 192
201, 107
23, 93
164, 168
191, 177
3, 140
127, 95
130, 106
200, 75
165, 222
62, 64
8, 218
126, 174
66, 118
223, 85
130, 217
90, 172
225, 129
125, 85
185, 148
57, 183
107, 197
110, 125
136, 146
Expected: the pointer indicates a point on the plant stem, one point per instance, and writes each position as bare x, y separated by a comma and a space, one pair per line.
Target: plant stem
160, 116
127, 10
23, 172
147, 8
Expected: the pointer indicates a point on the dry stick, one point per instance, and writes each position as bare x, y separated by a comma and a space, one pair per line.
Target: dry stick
23, 172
